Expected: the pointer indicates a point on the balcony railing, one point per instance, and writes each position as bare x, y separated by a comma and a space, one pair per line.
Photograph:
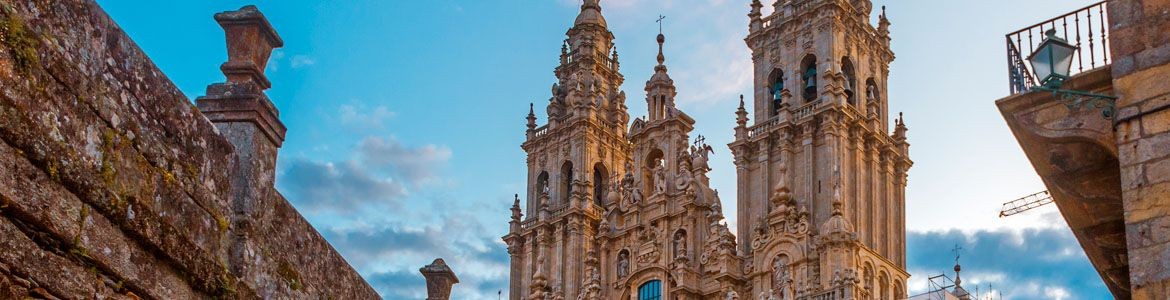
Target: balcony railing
1087, 29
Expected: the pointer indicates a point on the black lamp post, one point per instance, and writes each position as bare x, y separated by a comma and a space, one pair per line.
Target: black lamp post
1052, 63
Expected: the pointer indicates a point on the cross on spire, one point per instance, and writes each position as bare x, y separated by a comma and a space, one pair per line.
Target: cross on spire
660, 21
956, 251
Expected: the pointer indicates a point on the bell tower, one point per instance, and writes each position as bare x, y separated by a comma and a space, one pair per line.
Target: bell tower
821, 178
572, 161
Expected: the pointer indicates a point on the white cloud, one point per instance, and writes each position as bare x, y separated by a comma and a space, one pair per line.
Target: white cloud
364, 117
300, 61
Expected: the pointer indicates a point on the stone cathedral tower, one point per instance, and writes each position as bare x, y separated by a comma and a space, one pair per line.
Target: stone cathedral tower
821, 182
624, 210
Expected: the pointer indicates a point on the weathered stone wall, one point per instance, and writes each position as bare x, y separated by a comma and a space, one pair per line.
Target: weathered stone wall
112, 184
1140, 45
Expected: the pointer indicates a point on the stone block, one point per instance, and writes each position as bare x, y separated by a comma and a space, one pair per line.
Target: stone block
1124, 14
1157, 171
1132, 177
1128, 131
1149, 148
1152, 291
1157, 122
1147, 202
1147, 233
1141, 85
1149, 265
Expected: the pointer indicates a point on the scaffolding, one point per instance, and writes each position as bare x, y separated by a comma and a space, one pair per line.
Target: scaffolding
1026, 203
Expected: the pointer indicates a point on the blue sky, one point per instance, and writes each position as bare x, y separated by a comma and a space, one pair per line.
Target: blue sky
405, 119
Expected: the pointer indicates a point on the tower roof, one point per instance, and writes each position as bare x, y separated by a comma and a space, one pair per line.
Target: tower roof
590, 14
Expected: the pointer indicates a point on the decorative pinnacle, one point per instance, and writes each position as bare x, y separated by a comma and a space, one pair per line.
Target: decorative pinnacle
741, 113
661, 40
531, 117
837, 190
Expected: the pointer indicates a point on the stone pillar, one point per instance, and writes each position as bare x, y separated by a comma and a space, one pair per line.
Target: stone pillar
440, 278
245, 116
1141, 63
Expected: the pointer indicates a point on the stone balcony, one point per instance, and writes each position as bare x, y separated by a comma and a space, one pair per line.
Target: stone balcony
1075, 153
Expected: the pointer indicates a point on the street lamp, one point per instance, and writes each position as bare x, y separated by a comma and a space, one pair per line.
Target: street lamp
1052, 63
1053, 60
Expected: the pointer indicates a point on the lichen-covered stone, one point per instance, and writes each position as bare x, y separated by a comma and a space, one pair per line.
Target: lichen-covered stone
113, 185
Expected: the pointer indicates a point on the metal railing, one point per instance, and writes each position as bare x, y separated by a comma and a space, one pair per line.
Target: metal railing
1086, 28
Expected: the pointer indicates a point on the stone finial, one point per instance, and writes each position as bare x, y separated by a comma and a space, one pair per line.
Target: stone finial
250, 41
900, 128
440, 278
741, 113
531, 117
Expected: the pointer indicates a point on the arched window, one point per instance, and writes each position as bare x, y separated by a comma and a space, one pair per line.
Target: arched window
850, 80
883, 292
600, 184
651, 290
899, 292
809, 75
775, 89
566, 182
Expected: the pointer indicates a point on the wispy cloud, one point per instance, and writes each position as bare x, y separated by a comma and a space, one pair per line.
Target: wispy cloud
364, 117
342, 186
380, 173
300, 61
414, 165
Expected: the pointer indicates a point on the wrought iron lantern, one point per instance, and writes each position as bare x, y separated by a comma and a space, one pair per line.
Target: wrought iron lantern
1053, 60
1052, 64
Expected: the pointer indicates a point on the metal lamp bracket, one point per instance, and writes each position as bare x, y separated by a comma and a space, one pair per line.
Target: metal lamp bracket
1076, 100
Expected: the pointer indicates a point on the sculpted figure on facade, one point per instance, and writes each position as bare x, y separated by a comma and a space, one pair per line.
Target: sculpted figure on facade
731, 295
623, 264
680, 244
683, 181
659, 179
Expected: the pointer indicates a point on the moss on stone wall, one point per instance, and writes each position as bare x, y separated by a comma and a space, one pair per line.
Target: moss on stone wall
20, 42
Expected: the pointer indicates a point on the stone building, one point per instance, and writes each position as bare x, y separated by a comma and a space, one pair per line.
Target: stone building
619, 211
114, 185
1105, 160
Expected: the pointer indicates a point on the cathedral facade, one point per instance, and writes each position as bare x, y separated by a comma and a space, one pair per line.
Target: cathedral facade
624, 210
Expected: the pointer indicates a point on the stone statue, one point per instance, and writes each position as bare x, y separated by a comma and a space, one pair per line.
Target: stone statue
680, 244
613, 195
623, 264
731, 295
659, 179
683, 180
780, 273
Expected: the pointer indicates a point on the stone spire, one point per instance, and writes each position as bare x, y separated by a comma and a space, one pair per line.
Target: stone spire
660, 88
959, 290
741, 114
837, 222
531, 117
884, 27
440, 278
661, 57
900, 128
516, 215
